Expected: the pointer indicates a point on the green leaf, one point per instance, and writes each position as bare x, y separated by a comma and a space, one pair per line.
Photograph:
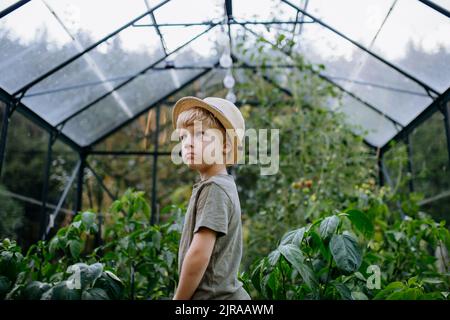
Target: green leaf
255, 276
83, 275
294, 236
346, 252
280, 38
116, 206
156, 239
94, 294
145, 208
76, 224
5, 285
35, 289
343, 290
390, 288
328, 226
272, 282
273, 257
112, 285
432, 281
61, 291
88, 219
406, 294
296, 259
361, 222
10, 264
317, 243
75, 248
357, 295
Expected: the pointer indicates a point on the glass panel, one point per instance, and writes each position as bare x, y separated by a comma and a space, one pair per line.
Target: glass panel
415, 37
94, 74
263, 10
118, 173
140, 134
202, 52
138, 95
380, 129
181, 11
376, 129
359, 20
175, 37
81, 17
430, 160
29, 50
439, 208
430, 166
401, 105
356, 71
22, 179
396, 166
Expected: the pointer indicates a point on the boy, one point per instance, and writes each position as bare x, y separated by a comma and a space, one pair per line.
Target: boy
211, 241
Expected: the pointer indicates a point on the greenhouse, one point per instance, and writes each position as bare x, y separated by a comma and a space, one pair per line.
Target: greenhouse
348, 200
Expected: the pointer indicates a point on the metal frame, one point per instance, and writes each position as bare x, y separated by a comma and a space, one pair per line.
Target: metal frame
80, 180
4, 134
155, 166
120, 126
47, 168
410, 162
436, 105
13, 7
13, 102
426, 87
209, 23
445, 107
242, 66
436, 7
394, 122
143, 71
55, 213
78, 55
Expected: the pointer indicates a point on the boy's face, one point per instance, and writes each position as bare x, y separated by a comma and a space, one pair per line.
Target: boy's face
201, 146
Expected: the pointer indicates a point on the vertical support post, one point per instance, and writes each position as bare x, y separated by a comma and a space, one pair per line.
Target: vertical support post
155, 165
3, 139
48, 162
410, 165
380, 168
79, 199
446, 111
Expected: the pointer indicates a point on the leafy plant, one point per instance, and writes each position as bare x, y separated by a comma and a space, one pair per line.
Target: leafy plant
334, 258
143, 256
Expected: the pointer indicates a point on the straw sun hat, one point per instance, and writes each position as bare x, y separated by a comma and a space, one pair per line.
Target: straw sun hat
225, 111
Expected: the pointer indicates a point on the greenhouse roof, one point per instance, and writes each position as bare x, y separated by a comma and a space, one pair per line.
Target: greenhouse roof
66, 68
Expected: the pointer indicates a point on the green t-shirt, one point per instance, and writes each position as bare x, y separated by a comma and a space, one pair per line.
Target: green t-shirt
214, 204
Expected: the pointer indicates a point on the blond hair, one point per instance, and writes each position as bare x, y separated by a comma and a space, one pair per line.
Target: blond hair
187, 118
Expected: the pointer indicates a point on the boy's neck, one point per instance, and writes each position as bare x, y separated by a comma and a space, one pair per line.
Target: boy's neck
212, 171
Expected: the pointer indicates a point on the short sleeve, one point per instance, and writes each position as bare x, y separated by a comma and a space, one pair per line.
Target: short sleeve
213, 210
